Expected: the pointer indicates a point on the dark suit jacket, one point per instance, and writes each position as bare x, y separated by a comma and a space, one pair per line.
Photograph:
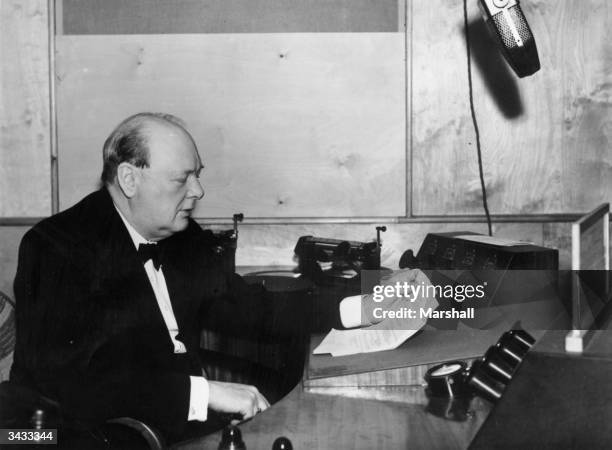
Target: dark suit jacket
89, 330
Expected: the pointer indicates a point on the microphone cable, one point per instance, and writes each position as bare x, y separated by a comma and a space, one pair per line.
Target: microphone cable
474, 121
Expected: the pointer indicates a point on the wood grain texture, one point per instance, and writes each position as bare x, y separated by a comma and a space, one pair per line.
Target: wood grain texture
388, 393
403, 376
289, 125
559, 236
266, 245
262, 245
545, 139
592, 251
403, 366
354, 420
25, 186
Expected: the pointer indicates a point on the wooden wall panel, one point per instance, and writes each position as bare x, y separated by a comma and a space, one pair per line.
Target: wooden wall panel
268, 245
228, 16
592, 254
546, 138
587, 106
25, 184
289, 125
274, 244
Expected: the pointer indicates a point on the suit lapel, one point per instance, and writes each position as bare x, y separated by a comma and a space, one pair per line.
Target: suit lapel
120, 272
183, 260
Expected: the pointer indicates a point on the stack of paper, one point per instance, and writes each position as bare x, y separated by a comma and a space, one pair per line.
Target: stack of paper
362, 340
393, 329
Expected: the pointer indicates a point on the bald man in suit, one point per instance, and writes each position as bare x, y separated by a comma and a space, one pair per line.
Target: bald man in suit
111, 293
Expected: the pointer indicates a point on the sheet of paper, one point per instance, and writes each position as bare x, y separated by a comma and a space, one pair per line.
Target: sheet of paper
389, 333
491, 240
362, 340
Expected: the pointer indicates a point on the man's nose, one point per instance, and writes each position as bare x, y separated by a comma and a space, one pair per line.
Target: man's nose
195, 189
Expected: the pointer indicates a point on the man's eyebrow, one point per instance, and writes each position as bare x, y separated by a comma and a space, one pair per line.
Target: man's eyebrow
188, 171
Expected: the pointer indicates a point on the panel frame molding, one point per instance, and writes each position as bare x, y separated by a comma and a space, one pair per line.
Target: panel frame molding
509, 218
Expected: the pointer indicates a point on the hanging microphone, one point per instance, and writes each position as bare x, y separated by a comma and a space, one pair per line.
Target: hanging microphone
507, 22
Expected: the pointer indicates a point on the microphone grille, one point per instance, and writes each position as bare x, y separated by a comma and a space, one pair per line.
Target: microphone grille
520, 23
515, 38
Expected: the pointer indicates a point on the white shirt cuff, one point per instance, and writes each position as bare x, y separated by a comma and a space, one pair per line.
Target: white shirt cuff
198, 399
350, 311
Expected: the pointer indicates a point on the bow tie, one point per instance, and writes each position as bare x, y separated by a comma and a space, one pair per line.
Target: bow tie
149, 252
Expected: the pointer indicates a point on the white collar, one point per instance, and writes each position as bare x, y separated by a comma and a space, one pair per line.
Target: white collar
137, 238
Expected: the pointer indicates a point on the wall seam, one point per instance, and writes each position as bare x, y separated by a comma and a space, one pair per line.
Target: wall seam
52, 111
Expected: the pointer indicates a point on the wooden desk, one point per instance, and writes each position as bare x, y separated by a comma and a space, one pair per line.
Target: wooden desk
374, 409
316, 421
375, 417
385, 409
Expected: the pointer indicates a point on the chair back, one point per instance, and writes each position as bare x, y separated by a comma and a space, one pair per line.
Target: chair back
7, 335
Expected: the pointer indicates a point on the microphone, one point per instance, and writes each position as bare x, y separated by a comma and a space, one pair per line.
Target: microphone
507, 23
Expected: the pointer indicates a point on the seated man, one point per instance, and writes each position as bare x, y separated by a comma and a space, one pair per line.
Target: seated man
111, 292
111, 295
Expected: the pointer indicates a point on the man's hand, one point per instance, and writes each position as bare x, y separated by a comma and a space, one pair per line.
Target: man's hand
234, 398
358, 310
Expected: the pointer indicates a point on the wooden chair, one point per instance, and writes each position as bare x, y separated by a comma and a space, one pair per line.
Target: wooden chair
7, 335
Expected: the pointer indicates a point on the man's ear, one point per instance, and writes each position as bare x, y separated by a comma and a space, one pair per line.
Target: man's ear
127, 177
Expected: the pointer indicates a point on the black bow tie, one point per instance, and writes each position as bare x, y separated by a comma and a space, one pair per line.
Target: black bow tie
149, 252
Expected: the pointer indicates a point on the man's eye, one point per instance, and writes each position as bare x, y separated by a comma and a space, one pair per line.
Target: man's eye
181, 180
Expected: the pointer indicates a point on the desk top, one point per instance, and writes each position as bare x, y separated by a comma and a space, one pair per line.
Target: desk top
426, 348
361, 417
324, 421
377, 415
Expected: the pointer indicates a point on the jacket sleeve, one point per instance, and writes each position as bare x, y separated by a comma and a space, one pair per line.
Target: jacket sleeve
248, 310
237, 308
55, 331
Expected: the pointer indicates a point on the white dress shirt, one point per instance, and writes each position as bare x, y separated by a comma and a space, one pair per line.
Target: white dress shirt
199, 392
350, 311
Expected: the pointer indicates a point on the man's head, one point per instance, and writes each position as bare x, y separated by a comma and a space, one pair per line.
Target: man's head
151, 167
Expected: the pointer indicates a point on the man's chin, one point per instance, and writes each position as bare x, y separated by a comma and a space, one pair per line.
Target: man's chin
181, 223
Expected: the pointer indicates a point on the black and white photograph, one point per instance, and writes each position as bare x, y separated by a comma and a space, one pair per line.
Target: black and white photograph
305, 224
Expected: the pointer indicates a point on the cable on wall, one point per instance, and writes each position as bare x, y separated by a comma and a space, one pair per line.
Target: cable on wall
474, 121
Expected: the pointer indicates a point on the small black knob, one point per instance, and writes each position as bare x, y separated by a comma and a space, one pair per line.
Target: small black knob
231, 439
282, 443
38, 419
